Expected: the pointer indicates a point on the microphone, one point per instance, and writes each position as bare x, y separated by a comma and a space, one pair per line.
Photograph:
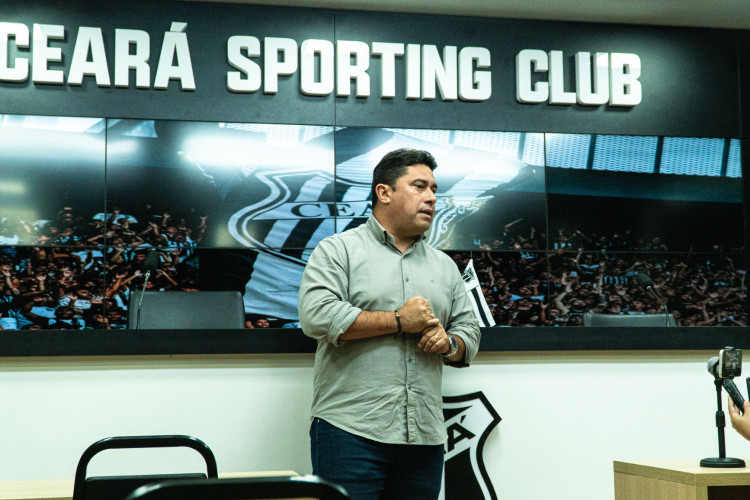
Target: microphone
152, 262
150, 266
646, 283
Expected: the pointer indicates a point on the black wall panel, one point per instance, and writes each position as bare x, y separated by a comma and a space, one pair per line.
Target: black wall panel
689, 76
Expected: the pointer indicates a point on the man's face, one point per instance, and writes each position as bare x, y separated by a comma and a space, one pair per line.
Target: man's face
413, 201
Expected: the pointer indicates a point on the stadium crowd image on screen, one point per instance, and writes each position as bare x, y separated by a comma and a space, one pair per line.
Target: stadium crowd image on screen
557, 225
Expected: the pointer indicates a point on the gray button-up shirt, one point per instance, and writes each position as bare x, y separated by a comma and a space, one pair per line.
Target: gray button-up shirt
383, 388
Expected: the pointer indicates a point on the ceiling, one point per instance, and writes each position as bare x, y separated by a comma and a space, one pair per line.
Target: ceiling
733, 14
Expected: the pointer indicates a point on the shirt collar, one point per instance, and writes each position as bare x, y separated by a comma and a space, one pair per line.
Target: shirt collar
384, 236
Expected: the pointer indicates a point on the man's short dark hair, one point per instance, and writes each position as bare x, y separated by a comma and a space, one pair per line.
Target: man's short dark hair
394, 165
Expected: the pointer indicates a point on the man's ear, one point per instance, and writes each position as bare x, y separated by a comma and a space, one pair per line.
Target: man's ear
383, 192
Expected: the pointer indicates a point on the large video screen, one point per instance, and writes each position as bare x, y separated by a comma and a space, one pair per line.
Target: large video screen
556, 225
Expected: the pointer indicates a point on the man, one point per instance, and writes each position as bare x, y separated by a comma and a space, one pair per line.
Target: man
387, 311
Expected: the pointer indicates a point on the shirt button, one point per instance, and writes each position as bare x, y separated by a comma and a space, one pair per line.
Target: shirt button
408, 387
410, 359
407, 279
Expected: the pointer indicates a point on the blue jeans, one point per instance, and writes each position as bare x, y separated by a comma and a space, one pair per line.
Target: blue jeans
369, 470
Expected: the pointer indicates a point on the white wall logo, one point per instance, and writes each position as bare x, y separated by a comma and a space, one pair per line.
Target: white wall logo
469, 419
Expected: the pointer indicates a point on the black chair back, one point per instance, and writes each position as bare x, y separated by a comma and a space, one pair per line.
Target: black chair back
651, 320
118, 487
207, 310
242, 489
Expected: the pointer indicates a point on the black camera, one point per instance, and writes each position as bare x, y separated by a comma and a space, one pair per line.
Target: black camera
730, 363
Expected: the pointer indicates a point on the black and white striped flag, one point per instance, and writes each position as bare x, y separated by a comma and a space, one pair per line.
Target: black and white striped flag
474, 289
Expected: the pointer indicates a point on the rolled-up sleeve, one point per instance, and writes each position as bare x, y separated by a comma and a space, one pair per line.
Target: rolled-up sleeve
463, 322
324, 309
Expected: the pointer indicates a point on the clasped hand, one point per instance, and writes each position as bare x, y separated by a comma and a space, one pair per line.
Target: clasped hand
417, 318
416, 315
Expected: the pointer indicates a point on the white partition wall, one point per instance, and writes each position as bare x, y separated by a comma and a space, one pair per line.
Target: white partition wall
566, 416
